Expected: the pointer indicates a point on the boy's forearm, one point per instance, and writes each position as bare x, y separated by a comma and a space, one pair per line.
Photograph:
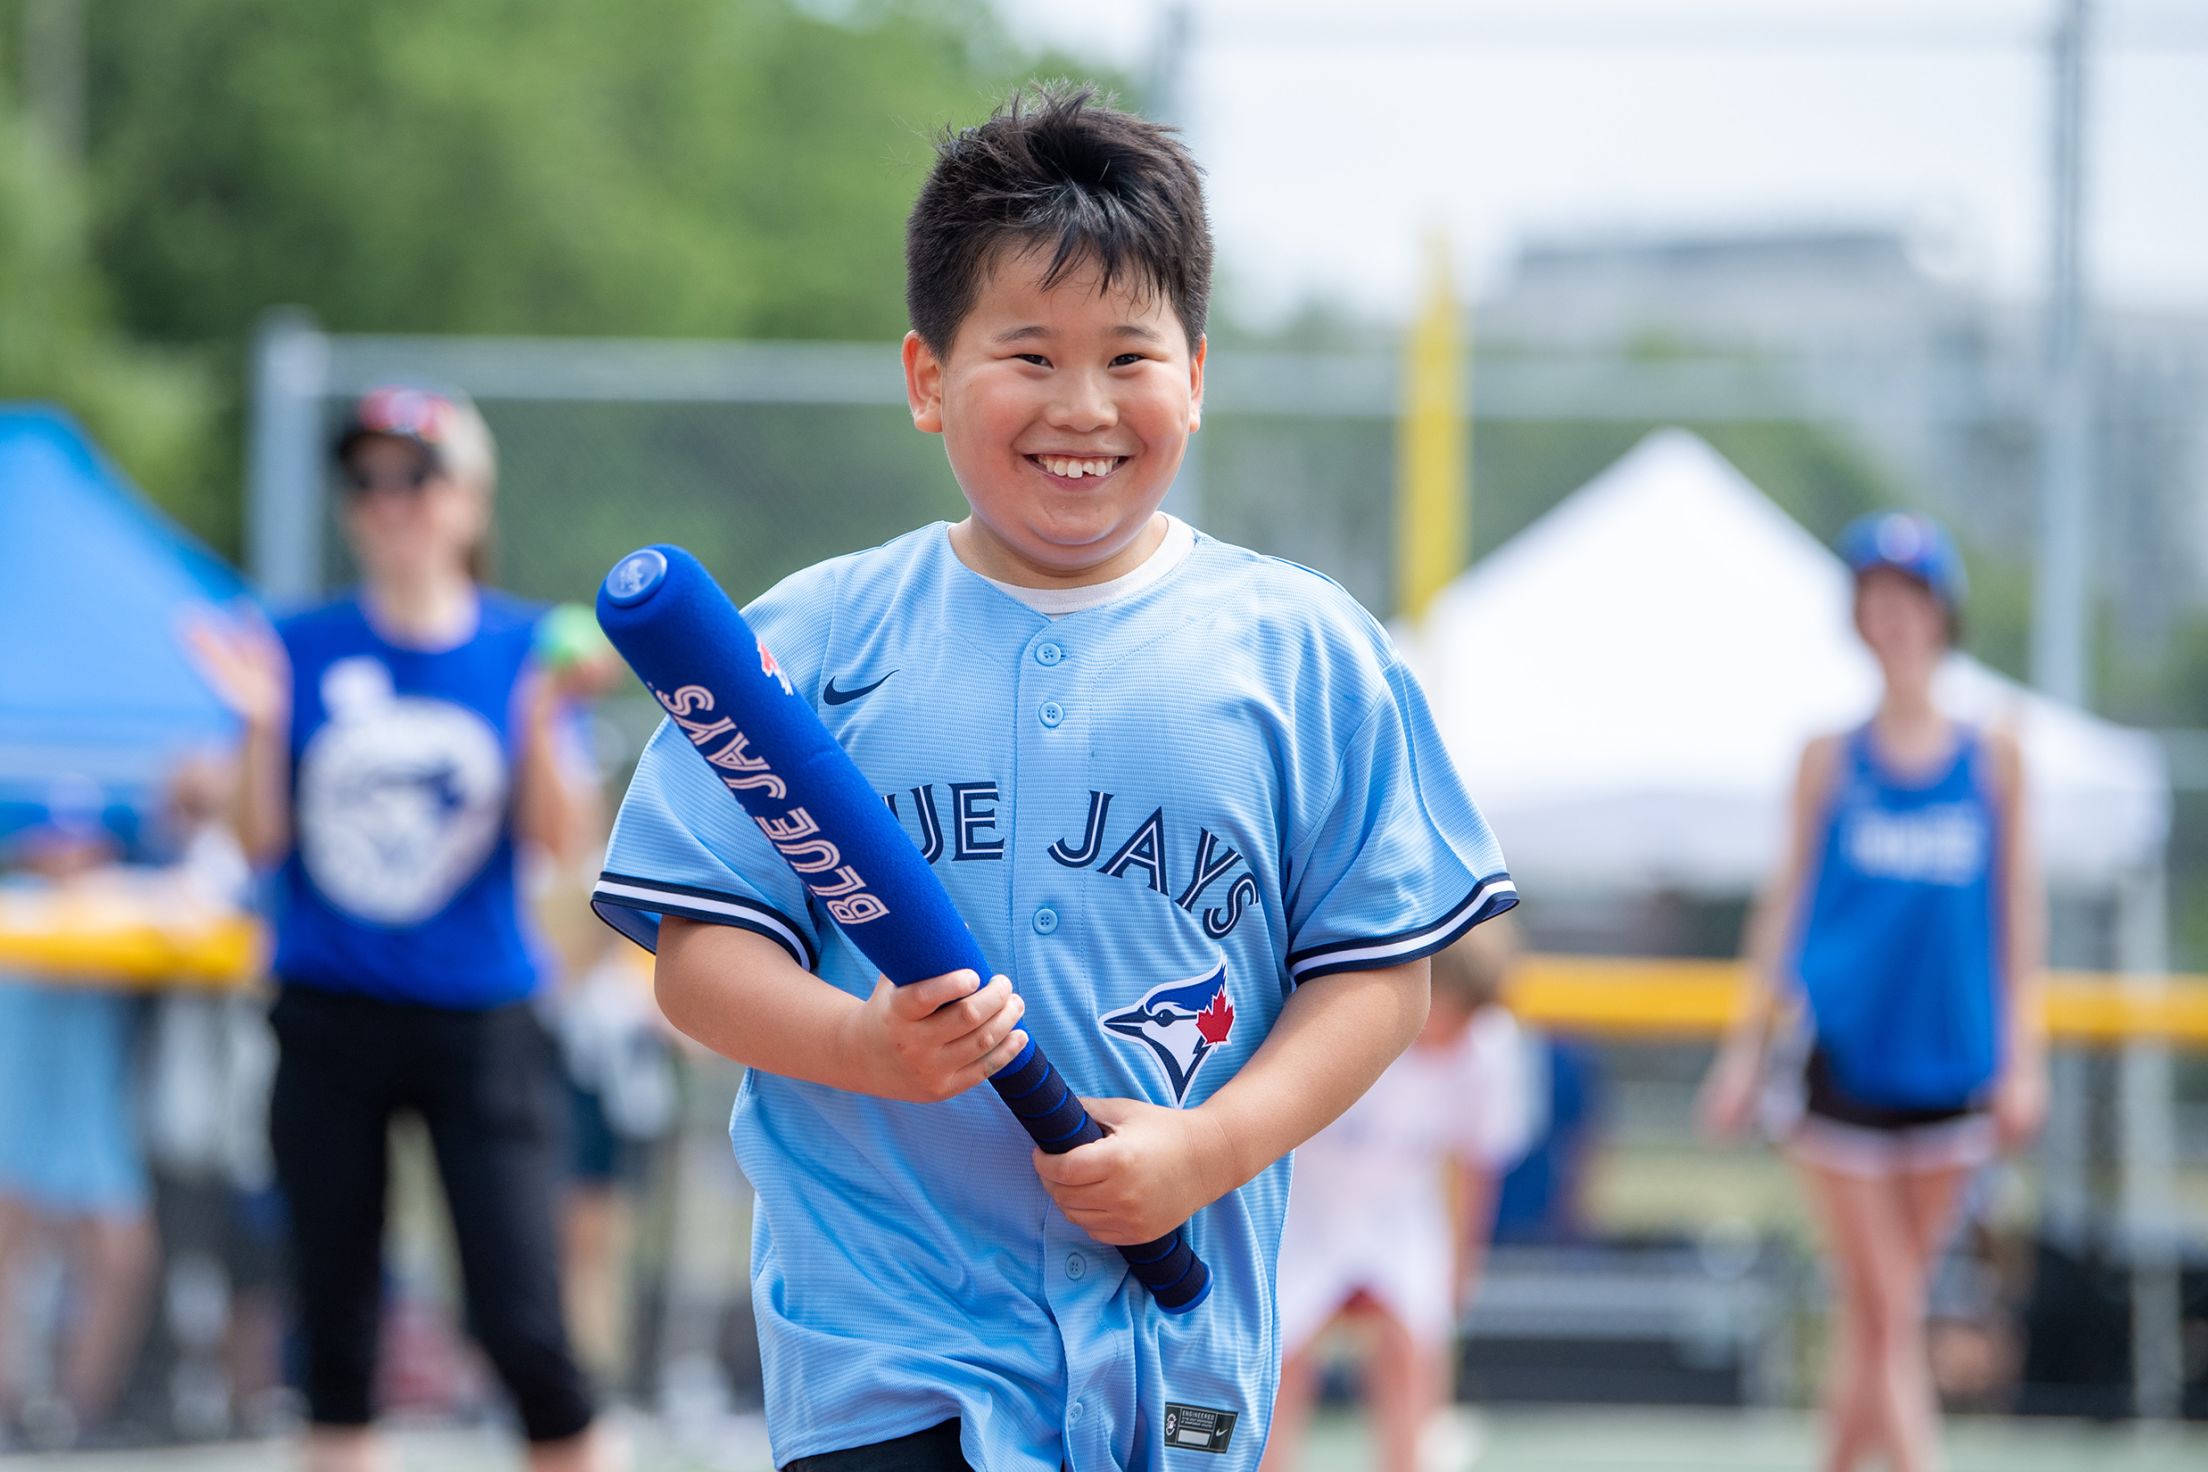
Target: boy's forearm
741, 995
1334, 1037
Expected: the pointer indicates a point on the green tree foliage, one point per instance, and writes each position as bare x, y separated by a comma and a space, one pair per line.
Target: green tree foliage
706, 168
58, 344
711, 168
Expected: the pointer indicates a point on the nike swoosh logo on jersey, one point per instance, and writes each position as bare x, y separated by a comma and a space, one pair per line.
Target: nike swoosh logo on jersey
844, 697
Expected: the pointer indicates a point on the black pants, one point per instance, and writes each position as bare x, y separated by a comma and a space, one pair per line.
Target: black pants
933, 1450
484, 1084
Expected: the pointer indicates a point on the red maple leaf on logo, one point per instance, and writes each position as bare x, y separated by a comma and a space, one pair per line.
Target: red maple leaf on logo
768, 665
1216, 1020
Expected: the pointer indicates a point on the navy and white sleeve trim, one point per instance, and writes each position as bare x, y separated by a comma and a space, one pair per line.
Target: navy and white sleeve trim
631, 906
1489, 898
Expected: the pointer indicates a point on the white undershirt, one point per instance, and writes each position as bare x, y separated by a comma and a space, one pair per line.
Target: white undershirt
1180, 540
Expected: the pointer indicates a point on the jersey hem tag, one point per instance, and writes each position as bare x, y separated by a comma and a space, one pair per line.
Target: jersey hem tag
1197, 1428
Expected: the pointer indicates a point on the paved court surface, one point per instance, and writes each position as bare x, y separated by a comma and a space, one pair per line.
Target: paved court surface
1519, 1441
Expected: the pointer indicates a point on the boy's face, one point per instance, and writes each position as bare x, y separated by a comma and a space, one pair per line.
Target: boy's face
1065, 413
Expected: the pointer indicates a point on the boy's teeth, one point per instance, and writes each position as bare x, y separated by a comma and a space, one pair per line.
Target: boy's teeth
1074, 469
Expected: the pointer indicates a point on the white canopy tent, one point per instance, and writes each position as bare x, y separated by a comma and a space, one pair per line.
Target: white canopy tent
1626, 685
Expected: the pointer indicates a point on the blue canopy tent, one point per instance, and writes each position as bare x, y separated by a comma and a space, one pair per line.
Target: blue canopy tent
95, 692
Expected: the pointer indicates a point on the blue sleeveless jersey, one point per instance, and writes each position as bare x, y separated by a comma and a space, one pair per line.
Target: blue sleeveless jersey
1899, 950
400, 883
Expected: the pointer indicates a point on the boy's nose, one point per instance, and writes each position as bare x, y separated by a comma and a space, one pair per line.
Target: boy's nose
1082, 403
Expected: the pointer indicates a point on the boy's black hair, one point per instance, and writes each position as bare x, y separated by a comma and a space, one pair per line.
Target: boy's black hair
1057, 168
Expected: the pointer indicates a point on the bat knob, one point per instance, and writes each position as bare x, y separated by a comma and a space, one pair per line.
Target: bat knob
636, 577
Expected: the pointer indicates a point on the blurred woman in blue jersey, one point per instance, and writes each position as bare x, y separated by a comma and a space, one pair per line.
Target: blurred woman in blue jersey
1904, 930
399, 755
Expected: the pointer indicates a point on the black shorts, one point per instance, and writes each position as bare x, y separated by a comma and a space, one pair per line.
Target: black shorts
1841, 1132
486, 1086
933, 1450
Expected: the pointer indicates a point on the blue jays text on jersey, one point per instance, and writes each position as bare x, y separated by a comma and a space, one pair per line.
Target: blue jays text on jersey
1159, 816
967, 812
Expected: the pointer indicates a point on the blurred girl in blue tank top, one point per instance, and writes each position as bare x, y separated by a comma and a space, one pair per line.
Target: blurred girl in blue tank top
399, 756
1894, 963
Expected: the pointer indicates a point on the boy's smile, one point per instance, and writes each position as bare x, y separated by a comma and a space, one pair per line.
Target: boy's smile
1074, 466
1065, 412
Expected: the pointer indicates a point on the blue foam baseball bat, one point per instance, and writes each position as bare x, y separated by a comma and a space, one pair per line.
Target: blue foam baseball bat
698, 657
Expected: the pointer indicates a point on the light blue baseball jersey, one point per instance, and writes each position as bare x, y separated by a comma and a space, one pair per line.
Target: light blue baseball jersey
1159, 816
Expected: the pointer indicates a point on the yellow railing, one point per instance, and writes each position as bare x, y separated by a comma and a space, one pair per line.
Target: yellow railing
1635, 997
115, 941
108, 945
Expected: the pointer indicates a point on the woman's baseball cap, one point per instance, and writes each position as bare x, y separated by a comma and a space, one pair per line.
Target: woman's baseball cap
1911, 544
444, 423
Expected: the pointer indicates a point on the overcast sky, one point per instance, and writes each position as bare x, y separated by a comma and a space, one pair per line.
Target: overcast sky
1337, 132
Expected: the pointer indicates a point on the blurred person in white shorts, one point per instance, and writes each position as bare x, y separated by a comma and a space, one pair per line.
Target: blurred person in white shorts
1392, 1205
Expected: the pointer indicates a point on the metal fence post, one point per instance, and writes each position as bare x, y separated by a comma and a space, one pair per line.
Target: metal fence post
291, 363
2149, 1137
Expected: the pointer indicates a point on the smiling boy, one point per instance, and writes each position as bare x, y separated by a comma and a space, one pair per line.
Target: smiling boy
1185, 794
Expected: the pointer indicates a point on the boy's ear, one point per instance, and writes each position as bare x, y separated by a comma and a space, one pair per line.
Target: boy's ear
1196, 385
923, 384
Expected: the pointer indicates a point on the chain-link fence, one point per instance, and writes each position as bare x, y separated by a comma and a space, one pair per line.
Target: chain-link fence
765, 458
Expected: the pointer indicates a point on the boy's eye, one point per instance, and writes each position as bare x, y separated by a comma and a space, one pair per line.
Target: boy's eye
1125, 358
1036, 358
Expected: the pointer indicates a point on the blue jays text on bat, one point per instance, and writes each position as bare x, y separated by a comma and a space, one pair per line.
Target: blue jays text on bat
839, 887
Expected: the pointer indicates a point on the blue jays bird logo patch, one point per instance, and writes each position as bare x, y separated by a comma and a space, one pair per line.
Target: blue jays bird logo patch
769, 665
1180, 1022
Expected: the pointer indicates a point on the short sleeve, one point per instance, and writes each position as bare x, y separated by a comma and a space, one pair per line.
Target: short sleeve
683, 846
1397, 862
1495, 1082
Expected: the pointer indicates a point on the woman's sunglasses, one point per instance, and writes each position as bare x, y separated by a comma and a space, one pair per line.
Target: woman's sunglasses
360, 484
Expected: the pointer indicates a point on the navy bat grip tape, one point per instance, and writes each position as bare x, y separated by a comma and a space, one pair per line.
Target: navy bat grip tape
722, 688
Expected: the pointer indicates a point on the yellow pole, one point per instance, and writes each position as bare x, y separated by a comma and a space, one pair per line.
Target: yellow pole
1434, 450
